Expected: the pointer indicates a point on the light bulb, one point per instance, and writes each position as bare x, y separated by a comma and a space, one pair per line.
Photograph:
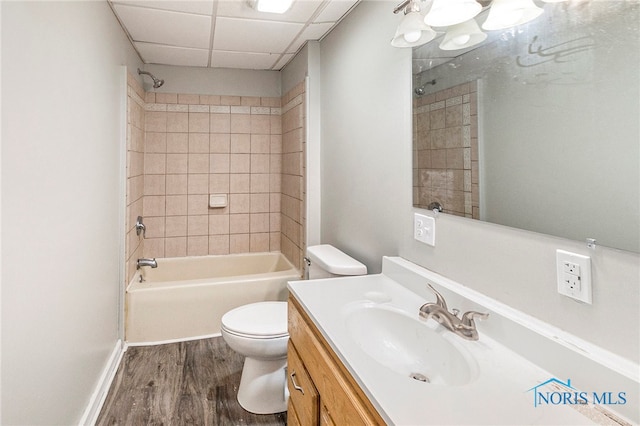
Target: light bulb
461, 40
412, 36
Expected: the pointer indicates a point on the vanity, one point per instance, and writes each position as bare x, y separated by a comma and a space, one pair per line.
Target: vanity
359, 353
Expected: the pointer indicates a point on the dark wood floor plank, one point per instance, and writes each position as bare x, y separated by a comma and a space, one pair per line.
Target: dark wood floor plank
186, 383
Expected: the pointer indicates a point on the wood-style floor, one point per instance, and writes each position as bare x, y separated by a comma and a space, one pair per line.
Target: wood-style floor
187, 383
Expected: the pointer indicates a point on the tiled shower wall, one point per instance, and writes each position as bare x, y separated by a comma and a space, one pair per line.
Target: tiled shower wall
445, 150
182, 148
293, 178
135, 168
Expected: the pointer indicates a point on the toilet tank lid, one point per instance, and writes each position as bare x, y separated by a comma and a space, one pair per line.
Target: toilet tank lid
334, 261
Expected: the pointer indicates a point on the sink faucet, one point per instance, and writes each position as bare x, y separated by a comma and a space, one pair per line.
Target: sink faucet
146, 262
464, 327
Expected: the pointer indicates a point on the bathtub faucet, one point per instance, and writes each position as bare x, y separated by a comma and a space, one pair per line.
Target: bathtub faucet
146, 262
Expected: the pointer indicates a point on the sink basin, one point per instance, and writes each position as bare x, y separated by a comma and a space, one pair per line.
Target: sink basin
410, 347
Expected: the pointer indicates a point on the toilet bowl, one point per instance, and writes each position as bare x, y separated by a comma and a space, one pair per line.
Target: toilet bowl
258, 331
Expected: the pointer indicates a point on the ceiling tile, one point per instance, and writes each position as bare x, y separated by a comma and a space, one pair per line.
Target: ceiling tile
165, 27
301, 11
170, 55
200, 7
246, 35
335, 10
255, 61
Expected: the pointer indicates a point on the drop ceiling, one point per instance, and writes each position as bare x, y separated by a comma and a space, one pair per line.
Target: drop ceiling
224, 33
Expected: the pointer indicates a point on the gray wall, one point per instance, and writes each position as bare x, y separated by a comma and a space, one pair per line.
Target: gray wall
62, 87
209, 81
367, 207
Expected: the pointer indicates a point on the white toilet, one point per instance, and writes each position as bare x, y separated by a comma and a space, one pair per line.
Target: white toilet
258, 331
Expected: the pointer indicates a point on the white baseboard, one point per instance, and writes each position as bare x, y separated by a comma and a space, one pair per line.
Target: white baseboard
99, 395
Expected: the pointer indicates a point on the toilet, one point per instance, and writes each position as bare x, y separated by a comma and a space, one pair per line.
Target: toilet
258, 331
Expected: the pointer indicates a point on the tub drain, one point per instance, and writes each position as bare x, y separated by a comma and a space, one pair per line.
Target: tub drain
419, 377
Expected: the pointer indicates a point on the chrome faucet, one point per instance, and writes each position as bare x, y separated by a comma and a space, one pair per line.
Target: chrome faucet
464, 327
146, 262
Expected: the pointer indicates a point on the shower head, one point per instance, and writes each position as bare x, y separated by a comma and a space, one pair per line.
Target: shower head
156, 81
419, 91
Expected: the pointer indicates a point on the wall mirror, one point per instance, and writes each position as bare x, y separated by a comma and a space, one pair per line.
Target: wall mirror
538, 127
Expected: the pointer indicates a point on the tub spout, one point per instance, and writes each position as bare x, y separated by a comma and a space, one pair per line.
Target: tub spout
146, 262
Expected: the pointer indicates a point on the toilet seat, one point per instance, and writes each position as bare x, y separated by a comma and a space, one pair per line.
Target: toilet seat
262, 320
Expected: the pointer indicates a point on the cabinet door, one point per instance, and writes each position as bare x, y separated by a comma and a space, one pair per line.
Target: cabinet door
302, 392
292, 416
325, 417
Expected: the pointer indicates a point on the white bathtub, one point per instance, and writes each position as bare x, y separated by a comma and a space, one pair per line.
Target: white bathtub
185, 298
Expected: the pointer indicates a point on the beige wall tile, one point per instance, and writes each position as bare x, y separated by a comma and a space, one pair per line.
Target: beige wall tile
153, 205
219, 143
155, 142
259, 242
198, 225
260, 144
219, 224
176, 184
219, 163
154, 247
240, 183
274, 241
198, 204
198, 163
260, 124
240, 144
198, 184
188, 98
197, 246
198, 122
177, 142
240, 123
220, 123
239, 243
155, 121
176, 226
176, 247
176, 205
154, 185
259, 163
219, 244
259, 182
240, 163
230, 100
167, 98
199, 143
239, 203
155, 227
219, 183
155, 163
259, 203
177, 122
259, 222
177, 163
239, 223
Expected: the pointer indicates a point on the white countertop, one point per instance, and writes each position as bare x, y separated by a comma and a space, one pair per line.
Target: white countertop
499, 393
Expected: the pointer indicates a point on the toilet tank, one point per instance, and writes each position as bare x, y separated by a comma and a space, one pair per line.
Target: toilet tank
326, 261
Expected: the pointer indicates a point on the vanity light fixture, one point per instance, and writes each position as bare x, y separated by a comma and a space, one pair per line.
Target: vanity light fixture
509, 13
456, 16
461, 36
271, 6
412, 30
444, 13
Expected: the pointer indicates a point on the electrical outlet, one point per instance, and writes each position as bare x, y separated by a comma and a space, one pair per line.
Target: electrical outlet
574, 275
424, 229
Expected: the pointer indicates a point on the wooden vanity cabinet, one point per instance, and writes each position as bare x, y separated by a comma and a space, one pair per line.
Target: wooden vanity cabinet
322, 391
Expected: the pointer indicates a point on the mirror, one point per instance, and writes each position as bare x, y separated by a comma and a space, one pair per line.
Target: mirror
537, 128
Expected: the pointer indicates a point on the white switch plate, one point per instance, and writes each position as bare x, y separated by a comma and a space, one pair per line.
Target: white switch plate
574, 275
424, 229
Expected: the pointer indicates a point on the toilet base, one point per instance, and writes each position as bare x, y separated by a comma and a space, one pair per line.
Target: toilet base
262, 386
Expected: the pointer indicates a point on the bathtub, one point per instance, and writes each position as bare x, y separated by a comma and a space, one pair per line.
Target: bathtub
185, 298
